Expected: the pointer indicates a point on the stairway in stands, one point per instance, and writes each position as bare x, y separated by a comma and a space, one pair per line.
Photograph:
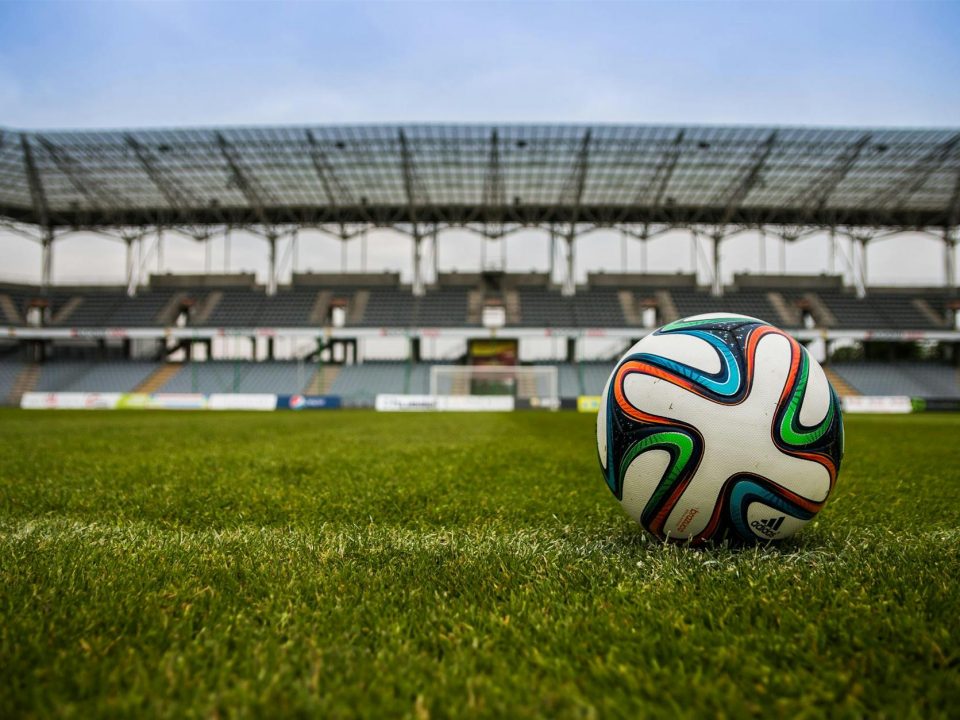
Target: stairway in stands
839, 384
158, 378
322, 380
26, 381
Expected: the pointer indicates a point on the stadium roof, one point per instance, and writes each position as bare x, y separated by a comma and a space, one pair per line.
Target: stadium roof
469, 174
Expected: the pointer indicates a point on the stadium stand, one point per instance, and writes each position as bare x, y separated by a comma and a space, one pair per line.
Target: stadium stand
225, 376
530, 301
93, 376
916, 379
10, 370
368, 379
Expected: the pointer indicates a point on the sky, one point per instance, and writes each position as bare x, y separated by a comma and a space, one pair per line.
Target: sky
101, 64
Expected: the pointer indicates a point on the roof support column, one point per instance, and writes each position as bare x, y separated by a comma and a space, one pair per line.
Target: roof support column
694, 252
272, 268
623, 251
226, 250
552, 265
436, 253
832, 251
717, 290
643, 253
343, 254
862, 285
570, 281
417, 263
950, 259
763, 250
295, 251
363, 250
160, 250
131, 267
207, 256
783, 255
46, 259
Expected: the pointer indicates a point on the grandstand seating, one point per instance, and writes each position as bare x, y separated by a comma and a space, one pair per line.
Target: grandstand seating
916, 379
290, 307
142, 310
749, 301
383, 302
542, 307
93, 376
595, 376
237, 307
370, 378
364, 381
10, 369
879, 311
225, 376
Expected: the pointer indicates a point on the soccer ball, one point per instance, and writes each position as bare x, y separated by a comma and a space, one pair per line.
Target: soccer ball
720, 426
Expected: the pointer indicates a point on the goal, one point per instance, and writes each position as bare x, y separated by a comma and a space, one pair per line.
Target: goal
531, 385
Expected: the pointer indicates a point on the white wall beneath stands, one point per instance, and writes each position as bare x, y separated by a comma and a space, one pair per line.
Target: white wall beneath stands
90, 258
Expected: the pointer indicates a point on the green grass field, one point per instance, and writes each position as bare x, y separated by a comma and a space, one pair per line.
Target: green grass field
340, 564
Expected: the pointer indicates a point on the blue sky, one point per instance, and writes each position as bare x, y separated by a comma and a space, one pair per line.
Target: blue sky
102, 64
80, 64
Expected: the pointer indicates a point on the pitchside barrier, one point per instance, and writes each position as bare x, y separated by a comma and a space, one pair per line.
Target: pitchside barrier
888, 404
885, 404
175, 401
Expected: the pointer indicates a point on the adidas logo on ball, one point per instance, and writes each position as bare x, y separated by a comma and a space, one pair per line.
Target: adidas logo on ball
768, 526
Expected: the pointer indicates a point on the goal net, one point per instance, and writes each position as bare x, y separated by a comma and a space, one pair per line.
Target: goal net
531, 385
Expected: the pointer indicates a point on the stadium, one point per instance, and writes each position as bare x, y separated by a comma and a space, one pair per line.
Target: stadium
521, 360
310, 336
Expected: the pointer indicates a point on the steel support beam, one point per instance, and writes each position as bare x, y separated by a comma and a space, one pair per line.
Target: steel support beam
272, 265
178, 198
46, 260
38, 197
131, 269
950, 259
832, 251
864, 267
817, 195
363, 250
897, 196
418, 287
98, 195
247, 184
717, 288
334, 190
738, 191
494, 196
763, 250
552, 266
694, 252
570, 281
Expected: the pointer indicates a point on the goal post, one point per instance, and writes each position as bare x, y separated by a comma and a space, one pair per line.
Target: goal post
535, 385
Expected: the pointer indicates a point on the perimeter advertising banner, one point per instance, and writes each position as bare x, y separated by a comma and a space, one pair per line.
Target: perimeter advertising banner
308, 402
444, 403
70, 401
894, 404
588, 404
